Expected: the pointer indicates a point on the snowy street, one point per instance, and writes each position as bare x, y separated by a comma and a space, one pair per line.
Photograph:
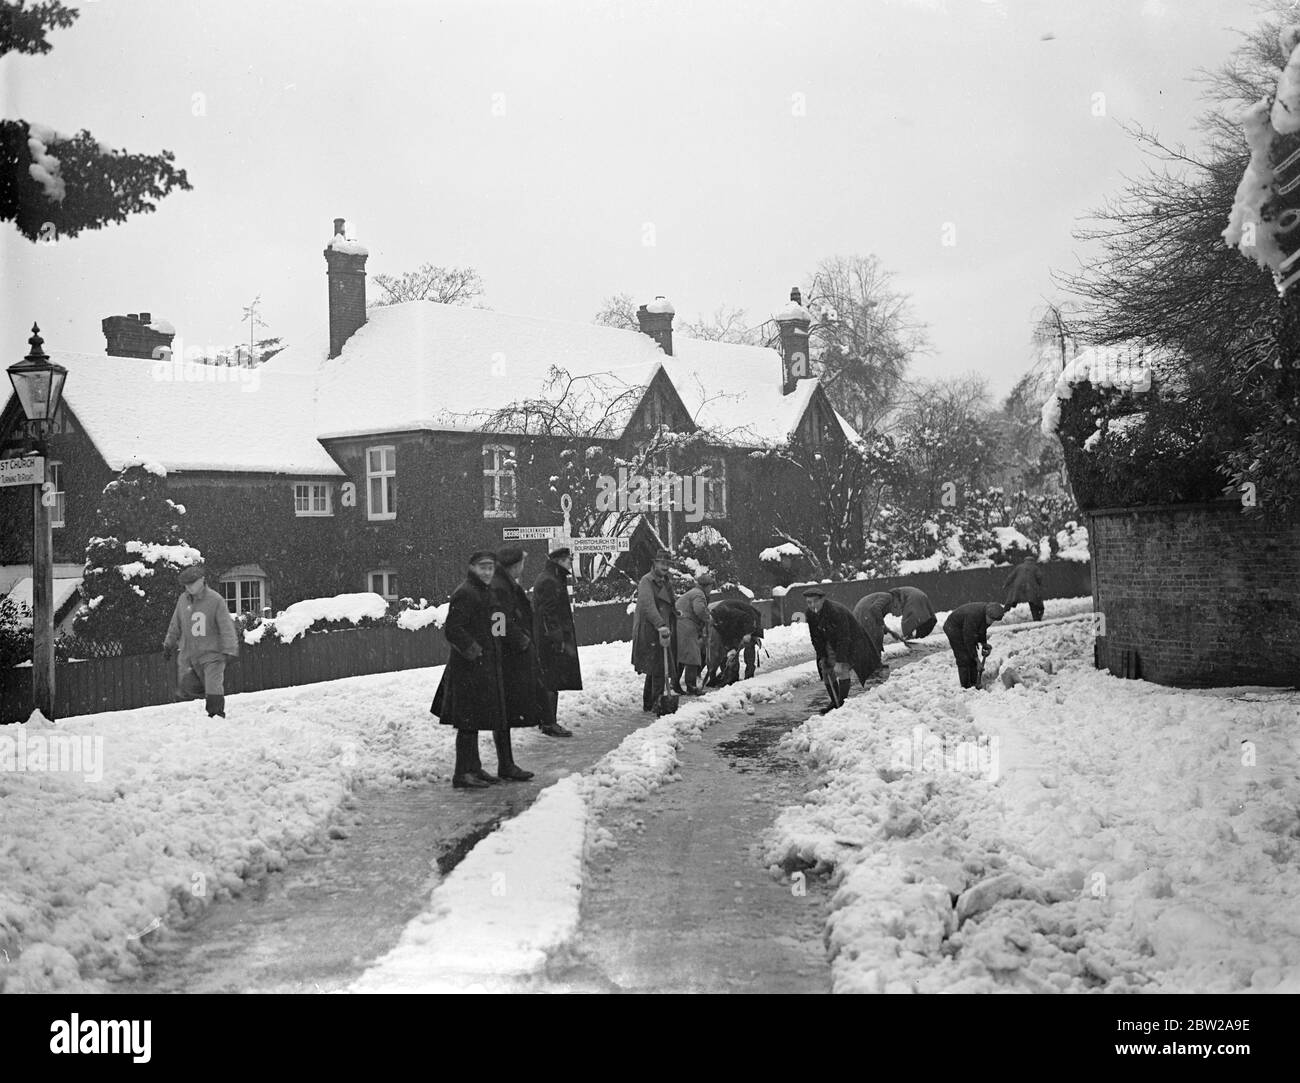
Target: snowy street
1022, 840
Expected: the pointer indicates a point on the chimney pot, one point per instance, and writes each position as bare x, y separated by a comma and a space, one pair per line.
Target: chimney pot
796, 296
133, 316
338, 226
146, 317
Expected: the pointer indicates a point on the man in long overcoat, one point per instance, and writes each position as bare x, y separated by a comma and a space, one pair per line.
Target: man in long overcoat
520, 672
870, 613
967, 629
915, 609
1025, 584
838, 640
692, 633
471, 695
654, 627
203, 636
736, 626
555, 637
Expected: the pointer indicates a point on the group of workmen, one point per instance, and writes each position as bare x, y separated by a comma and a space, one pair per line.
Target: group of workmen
849, 642
513, 651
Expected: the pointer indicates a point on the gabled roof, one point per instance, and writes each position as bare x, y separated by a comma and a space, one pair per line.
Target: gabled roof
248, 420
422, 365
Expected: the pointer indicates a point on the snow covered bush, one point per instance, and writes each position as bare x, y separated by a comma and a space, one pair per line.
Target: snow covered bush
132, 562
15, 633
786, 563
706, 549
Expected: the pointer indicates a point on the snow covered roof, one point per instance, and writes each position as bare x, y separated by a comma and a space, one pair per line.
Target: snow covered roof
423, 365
64, 590
192, 416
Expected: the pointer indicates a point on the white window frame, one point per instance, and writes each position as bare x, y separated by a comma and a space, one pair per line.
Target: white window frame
384, 472
500, 452
239, 583
314, 489
389, 593
59, 509
716, 484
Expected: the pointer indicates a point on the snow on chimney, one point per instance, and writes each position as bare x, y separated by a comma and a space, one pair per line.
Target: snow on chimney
345, 263
794, 321
136, 335
656, 320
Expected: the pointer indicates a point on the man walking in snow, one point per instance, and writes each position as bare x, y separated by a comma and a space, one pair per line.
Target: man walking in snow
1025, 584
204, 636
839, 642
918, 615
967, 629
654, 627
555, 636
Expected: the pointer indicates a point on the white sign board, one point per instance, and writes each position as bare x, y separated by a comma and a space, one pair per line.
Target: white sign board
530, 533
598, 545
28, 471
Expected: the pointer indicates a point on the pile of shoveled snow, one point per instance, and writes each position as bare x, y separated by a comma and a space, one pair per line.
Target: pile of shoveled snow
1071, 832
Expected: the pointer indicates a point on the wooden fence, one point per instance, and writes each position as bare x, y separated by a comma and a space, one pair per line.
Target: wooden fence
120, 684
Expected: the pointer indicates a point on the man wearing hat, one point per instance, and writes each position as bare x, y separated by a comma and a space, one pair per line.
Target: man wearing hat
654, 627
839, 641
1025, 584
471, 695
555, 637
692, 632
870, 613
967, 628
204, 633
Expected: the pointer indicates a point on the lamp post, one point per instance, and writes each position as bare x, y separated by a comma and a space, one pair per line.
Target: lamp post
38, 383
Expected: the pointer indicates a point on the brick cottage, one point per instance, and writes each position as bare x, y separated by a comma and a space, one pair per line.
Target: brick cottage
378, 456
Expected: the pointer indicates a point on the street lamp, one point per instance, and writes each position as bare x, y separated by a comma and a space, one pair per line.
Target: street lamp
38, 383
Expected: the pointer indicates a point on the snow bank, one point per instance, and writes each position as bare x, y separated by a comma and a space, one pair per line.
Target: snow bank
300, 616
1067, 831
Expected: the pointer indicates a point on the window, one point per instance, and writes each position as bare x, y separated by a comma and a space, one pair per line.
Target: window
381, 482
56, 476
499, 494
312, 498
383, 583
242, 595
715, 488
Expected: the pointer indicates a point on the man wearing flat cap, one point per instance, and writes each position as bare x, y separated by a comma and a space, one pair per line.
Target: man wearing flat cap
555, 636
203, 639
839, 641
471, 695
654, 627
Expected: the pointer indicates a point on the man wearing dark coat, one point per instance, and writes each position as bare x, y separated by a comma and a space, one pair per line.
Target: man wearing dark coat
967, 628
1025, 584
838, 640
870, 613
736, 626
555, 637
471, 695
520, 673
654, 627
917, 613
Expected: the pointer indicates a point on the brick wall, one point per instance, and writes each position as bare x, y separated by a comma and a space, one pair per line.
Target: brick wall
1201, 594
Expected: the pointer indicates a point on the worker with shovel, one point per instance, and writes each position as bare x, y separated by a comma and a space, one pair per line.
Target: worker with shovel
839, 642
654, 631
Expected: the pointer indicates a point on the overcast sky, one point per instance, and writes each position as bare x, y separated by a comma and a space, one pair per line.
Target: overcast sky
755, 137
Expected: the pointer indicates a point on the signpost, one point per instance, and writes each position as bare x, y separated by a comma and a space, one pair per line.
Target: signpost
25, 471
563, 535
531, 533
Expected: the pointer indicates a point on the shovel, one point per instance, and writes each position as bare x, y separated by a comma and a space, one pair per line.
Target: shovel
667, 703
828, 681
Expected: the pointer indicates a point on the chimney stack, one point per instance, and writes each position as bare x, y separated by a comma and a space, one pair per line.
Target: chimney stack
656, 320
132, 335
345, 263
794, 321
